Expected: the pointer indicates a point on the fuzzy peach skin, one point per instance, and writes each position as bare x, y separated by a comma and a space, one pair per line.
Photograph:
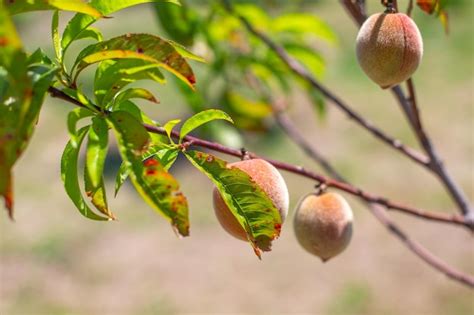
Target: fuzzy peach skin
323, 224
389, 48
272, 183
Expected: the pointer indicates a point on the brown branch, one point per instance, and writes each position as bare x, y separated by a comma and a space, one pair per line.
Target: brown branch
429, 215
378, 212
410, 7
301, 71
413, 116
411, 111
354, 11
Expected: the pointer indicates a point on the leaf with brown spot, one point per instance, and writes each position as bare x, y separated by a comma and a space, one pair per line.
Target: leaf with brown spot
249, 204
156, 186
146, 47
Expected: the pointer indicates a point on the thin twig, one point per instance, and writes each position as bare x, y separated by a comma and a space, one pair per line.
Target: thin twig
425, 142
378, 212
429, 215
301, 71
410, 7
433, 161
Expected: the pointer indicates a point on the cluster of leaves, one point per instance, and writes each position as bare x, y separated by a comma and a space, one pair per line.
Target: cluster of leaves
233, 54
147, 156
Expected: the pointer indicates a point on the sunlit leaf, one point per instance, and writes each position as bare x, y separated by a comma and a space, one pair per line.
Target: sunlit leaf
24, 83
113, 75
166, 155
134, 136
249, 204
200, 119
96, 153
70, 178
169, 127
156, 186
144, 47
73, 117
302, 23
21, 6
56, 36
248, 108
135, 93
80, 22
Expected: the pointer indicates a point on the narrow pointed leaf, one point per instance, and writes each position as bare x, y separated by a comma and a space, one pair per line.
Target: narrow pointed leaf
113, 75
73, 117
135, 93
156, 186
166, 155
200, 119
96, 153
144, 47
249, 204
169, 127
70, 178
56, 36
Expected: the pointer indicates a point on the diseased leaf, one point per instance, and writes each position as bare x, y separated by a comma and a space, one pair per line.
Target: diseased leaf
23, 86
70, 178
135, 93
436, 7
21, 6
134, 136
113, 75
144, 47
166, 155
249, 204
200, 119
156, 186
96, 153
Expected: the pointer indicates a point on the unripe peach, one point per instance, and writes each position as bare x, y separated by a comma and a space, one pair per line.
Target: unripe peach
323, 224
270, 181
389, 48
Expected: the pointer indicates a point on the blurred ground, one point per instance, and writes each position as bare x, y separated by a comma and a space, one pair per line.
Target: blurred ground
53, 261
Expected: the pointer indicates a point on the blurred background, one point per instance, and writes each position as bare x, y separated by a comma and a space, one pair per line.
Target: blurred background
54, 261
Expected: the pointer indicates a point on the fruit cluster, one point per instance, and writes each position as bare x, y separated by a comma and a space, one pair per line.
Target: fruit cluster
322, 223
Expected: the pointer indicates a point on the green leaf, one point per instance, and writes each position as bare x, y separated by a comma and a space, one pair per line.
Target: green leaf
135, 93
200, 119
90, 32
134, 136
169, 127
70, 178
301, 23
179, 22
96, 153
156, 186
140, 115
21, 6
97, 149
23, 88
113, 75
248, 108
144, 47
249, 204
166, 155
80, 22
308, 57
73, 117
56, 36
